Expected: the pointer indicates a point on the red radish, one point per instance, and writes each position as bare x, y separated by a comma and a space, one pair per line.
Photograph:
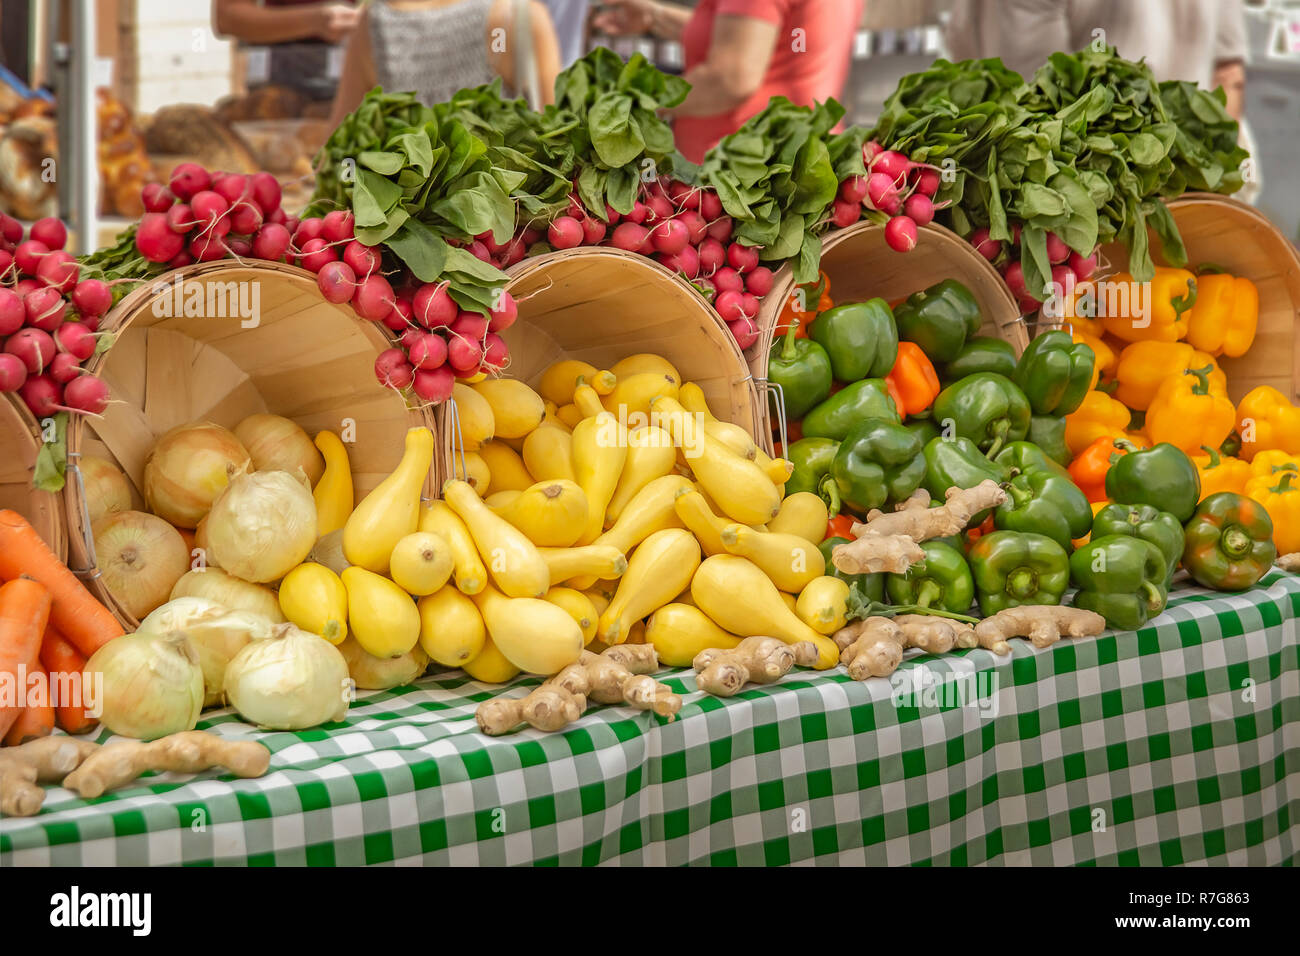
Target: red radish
278, 216
24, 287
180, 260
640, 212
731, 305
429, 350
59, 270
630, 237
529, 236
985, 244
706, 288
720, 229
271, 242
188, 179
656, 187
710, 205
462, 354
364, 260
409, 336
870, 150
593, 230
433, 306
42, 395
683, 195
697, 229
233, 187
373, 298
266, 192
713, 256
1063, 282
495, 353
207, 248
315, 254
686, 261
291, 223
900, 234
759, 281
882, 193
853, 189
660, 208
670, 236
50, 231
611, 215
13, 312
392, 369
11, 229
504, 315
180, 218
565, 232
13, 373
29, 253
1057, 250
75, 339
892, 164
338, 226
515, 250
1014, 275
926, 180
742, 258
45, 309
306, 231
845, 214
1083, 266
87, 394
575, 210
64, 367
728, 279
246, 219
6, 261
337, 282
92, 297
471, 325
479, 251
744, 331
434, 385
749, 304
208, 207
918, 208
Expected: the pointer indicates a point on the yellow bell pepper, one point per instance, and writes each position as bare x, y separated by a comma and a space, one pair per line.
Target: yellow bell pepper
1080, 313
1188, 413
1220, 472
1099, 416
1107, 358
1272, 461
1280, 496
1225, 316
1267, 420
1155, 313
1145, 366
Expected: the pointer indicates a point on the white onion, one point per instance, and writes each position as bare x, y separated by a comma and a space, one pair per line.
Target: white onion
381, 673
262, 526
221, 588
106, 487
217, 634
328, 551
188, 468
290, 681
151, 685
141, 557
277, 444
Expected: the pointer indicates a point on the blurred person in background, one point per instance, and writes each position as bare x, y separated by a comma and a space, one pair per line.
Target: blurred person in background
302, 36
436, 47
570, 19
740, 53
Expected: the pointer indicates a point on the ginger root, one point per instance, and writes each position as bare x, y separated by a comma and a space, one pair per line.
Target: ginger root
118, 763
1289, 562
762, 660
890, 541
1043, 624
873, 646
45, 760
618, 675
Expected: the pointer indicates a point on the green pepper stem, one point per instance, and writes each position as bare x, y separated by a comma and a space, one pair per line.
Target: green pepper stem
1124, 445
934, 612
830, 492
789, 348
1202, 386
1184, 302
1154, 596
928, 592
1235, 541
1022, 583
1018, 495
1215, 461
1284, 485
1000, 429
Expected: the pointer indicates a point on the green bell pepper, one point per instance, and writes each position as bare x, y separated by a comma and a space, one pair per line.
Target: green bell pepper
1012, 568
1121, 578
834, 417
802, 369
924, 429
939, 319
812, 459
1147, 522
1162, 475
859, 337
988, 409
1025, 456
878, 461
1229, 543
873, 585
1055, 373
1045, 502
957, 463
941, 579
1048, 433
983, 353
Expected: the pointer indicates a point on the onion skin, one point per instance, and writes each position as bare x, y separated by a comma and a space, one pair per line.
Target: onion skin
213, 584
290, 681
379, 673
151, 685
262, 526
216, 634
276, 443
188, 469
106, 487
141, 558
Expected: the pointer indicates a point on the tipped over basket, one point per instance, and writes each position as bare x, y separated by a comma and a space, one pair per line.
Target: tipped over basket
20, 437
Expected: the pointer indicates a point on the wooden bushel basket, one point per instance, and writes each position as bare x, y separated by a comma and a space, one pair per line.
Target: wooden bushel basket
20, 439
600, 305
306, 359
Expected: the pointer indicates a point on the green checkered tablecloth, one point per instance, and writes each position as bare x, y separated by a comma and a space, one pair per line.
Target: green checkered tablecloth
1176, 744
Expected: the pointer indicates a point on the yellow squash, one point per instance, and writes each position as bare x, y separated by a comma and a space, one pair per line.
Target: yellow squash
695, 513
631, 397
643, 362
650, 455
382, 616
739, 598
569, 415
823, 604
451, 628
599, 454
588, 401
512, 560
516, 408
392, 510
790, 600
421, 563
474, 414
477, 472
313, 598
505, 467
548, 453
468, 569
333, 493
580, 609
559, 380
789, 561
660, 567
778, 470
588, 561
803, 514
650, 510
550, 513
490, 666
499, 500
534, 635
680, 631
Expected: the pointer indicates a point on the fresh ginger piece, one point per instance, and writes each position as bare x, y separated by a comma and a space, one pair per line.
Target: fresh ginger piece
872, 553
1043, 624
191, 751
1289, 562
760, 660
915, 519
873, 646
46, 760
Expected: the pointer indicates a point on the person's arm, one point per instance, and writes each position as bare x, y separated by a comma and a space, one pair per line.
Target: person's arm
1232, 77
739, 54
546, 49
640, 18
251, 22
358, 76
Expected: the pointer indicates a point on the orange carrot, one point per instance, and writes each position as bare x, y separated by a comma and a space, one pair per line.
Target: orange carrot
37, 719
78, 616
61, 660
24, 612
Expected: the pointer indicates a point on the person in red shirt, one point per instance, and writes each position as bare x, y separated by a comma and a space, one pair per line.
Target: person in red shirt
740, 53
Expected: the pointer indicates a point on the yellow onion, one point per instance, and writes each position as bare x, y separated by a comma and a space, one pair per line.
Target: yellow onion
290, 681
277, 444
146, 685
262, 526
106, 487
213, 584
188, 468
216, 633
381, 673
328, 551
141, 558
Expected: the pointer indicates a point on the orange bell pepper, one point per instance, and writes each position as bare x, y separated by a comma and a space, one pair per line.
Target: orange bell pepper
1156, 310
1188, 413
1267, 420
1100, 416
913, 380
1089, 468
1220, 472
797, 306
1225, 316
1145, 366
1096, 506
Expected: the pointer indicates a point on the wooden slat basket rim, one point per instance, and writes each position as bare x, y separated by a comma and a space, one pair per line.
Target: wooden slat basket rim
44, 511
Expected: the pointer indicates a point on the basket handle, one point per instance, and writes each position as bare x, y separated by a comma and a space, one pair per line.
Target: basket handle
87, 537
774, 396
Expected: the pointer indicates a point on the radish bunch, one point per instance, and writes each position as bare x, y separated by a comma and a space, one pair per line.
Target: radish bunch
1068, 267
49, 316
893, 186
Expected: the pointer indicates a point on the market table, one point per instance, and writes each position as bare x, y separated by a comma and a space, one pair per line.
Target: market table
1179, 743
